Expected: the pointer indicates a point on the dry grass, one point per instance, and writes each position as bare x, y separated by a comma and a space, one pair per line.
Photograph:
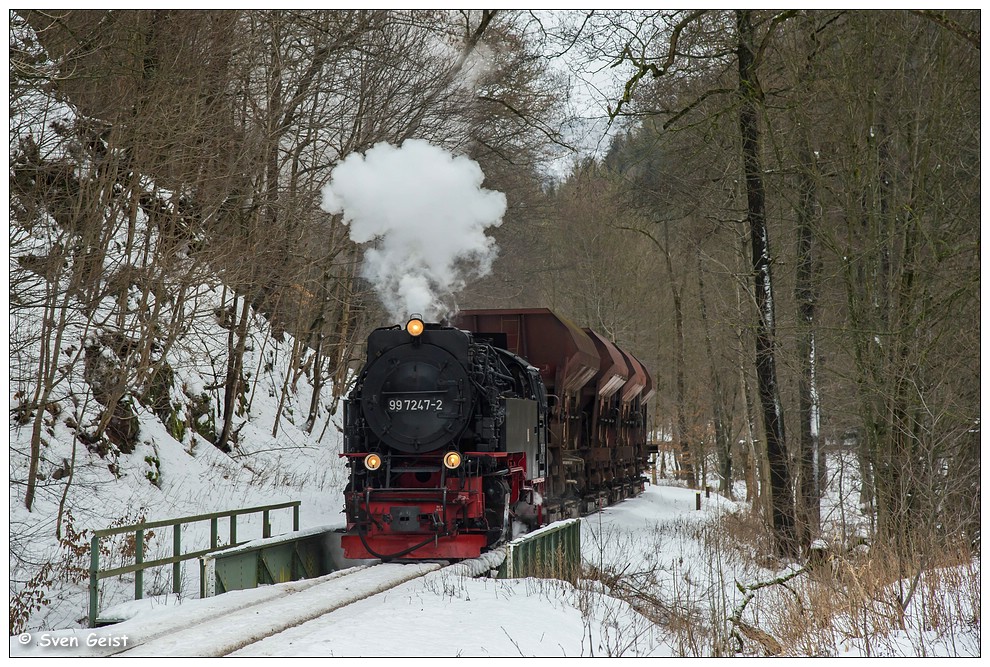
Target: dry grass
869, 603
861, 601
743, 601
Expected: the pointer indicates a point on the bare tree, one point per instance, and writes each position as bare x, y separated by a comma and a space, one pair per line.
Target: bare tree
908, 258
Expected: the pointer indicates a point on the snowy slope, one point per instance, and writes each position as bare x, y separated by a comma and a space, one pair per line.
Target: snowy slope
173, 471
168, 478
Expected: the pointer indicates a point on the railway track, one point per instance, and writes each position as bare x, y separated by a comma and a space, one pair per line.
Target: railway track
237, 628
214, 628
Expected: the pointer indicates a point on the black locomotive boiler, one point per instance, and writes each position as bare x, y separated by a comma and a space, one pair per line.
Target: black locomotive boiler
454, 443
446, 440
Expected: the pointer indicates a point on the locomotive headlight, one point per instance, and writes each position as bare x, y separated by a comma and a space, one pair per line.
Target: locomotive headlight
451, 460
372, 462
415, 326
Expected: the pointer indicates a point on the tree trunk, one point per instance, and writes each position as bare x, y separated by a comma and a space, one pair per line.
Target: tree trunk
235, 363
295, 360
723, 443
755, 484
314, 404
686, 469
751, 97
808, 406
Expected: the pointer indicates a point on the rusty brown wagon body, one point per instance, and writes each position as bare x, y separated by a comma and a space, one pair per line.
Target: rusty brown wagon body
597, 448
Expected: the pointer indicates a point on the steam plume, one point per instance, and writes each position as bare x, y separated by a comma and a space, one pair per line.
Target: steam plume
426, 214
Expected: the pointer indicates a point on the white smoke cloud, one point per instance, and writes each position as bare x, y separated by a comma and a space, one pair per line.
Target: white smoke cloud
426, 214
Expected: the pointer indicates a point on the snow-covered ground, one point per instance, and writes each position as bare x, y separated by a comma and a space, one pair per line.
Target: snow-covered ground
658, 541
443, 614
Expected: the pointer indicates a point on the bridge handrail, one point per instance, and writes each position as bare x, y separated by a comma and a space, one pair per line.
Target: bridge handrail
95, 574
553, 550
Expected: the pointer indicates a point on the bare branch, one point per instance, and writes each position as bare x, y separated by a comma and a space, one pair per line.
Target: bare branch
971, 36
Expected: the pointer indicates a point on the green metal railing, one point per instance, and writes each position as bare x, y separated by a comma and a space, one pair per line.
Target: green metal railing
554, 551
291, 557
140, 565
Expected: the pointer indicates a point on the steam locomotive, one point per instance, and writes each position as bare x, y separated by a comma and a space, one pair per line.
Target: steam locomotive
460, 437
